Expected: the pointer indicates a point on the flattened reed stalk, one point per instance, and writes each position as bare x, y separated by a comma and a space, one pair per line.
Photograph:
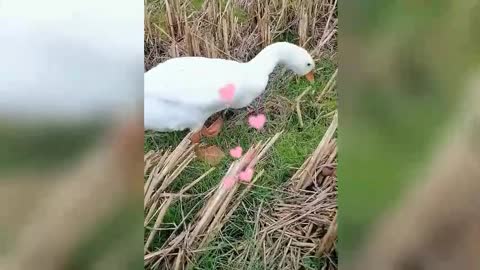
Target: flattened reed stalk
302, 222
161, 169
181, 248
235, 29
315, 164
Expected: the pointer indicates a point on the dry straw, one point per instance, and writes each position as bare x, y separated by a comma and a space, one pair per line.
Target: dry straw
236, 29
161, 169
299, 224
303, 222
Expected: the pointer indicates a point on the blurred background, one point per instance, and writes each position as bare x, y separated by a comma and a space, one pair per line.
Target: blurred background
71, 130
408, 114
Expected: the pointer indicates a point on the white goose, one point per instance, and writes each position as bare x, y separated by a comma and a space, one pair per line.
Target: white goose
182, 93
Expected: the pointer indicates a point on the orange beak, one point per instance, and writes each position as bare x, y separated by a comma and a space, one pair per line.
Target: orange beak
310, 76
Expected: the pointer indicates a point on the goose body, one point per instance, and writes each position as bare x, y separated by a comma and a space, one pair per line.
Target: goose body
182, 93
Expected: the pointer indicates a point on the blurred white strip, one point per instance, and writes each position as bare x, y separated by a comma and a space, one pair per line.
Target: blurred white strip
66, 60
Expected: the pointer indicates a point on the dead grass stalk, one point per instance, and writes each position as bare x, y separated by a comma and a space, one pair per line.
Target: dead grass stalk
235, 29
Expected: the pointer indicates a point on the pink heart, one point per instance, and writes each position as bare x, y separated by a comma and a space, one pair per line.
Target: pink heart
236, 152
246, 175
229, 182
227, 92
257, 121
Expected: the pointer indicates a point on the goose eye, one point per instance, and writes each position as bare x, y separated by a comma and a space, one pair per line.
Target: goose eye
308, 64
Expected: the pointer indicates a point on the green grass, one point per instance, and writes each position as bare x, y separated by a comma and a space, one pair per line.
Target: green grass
281, 162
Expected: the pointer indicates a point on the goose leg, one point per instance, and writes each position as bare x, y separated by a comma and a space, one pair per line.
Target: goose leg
214, 129
211, 154
196, 136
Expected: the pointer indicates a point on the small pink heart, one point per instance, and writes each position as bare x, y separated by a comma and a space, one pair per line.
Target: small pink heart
229, 182
246, 175
236, 152
227, 93
257, 121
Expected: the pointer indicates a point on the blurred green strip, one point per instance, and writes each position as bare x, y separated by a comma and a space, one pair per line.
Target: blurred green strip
403, 70
119, 232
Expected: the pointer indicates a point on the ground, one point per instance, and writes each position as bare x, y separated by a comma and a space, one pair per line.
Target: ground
285, 157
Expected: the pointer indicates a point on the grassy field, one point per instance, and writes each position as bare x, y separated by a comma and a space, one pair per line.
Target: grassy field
301, 110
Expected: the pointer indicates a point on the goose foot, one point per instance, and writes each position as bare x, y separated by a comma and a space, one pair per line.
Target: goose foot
211, 154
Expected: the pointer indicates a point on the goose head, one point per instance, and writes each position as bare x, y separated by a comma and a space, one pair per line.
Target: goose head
293, 57
296, 59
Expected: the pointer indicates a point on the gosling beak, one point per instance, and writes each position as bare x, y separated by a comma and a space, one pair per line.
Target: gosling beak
310, 76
